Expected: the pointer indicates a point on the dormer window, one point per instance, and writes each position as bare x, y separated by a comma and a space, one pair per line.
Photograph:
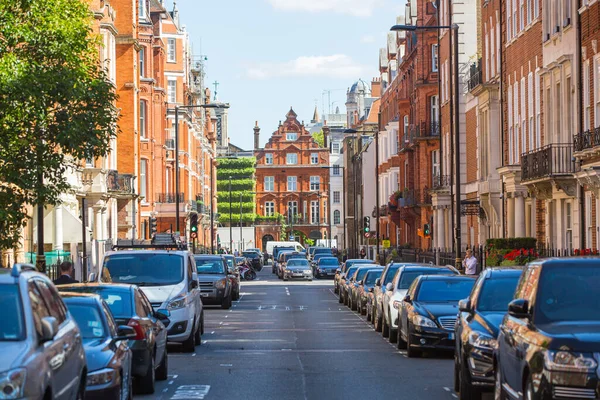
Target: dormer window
291, 136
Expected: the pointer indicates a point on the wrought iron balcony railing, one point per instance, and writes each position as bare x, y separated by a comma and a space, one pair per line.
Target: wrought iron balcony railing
475, 75
586, 140
441, 181
548, 161
168, 198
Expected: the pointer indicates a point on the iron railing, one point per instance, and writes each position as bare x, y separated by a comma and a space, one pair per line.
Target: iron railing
475, 75
168, 198
586, 140
119, 183
434, 128
548, 161
441, 181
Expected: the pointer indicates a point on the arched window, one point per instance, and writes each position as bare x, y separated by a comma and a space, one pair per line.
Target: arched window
336, 217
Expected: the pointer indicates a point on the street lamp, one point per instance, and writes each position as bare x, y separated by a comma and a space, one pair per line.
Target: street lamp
412, 28
230, 221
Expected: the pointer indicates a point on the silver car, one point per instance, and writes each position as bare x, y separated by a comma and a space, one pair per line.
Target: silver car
40, 342
297, 268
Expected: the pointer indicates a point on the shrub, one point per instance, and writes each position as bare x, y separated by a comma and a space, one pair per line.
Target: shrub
512, 243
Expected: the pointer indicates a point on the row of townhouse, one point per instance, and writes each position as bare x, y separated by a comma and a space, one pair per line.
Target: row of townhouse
529, 135
131, 193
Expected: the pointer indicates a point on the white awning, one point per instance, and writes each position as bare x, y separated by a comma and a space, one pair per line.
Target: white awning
71, 227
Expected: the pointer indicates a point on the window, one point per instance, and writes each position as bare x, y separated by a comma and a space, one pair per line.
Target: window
269, 183
292, 158
596, 91
508, 20
142, 9
314, 212
336, 197
315, 182
314, 158
568, 225
56, 307
142, 56
569, 123
588, 219
144, 179
538, 112
514, 25
434, 58
336, 217
336, 170
292, 183
435, 114
586, 97
291, 136
559, 104
510, 126
269, 208
516, 121
172, 91
536, 8
38, 307
487, 54
171, 50
143, 133
269, 158
492, 51
335, 148
292, 211
522, 15
567, 12
523, 118
529, 12
530, 110
435, 164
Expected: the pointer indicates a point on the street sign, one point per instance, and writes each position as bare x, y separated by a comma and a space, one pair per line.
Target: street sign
386, 244
194, 235
367, 234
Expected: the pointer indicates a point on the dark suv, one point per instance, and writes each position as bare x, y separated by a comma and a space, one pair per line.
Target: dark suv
549, 342
215, 287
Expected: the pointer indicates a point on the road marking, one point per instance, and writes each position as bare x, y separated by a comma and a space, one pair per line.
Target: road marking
165, 390
447, 389
301, 308
194, 355
226, 365
454, 395
226, 316
212, 333
171, 382
287, 308
274, 307
221, 323
259, 308
203, 342
286, 349
191, 392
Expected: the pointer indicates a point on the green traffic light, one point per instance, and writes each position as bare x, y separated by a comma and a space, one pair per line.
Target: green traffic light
194, 228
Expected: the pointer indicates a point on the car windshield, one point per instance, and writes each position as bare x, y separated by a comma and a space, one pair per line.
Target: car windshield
321, 255
568, 293
118, 300
250, 254
297, 262
497, 293
408, 277
328, 261
144, 269
239, 260
89, 320
230, 261
372, 277
11, 324
351, 272
390, 274
446, 290
210, 266
322, 250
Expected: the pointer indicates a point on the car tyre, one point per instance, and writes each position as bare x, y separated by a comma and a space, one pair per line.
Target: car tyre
368, 314
530, 394
467, 391
335, 289
189, 344
81, 390
163, 369
385, 329
340, 298
226, 304
393, 336
401, 343
377, 321
411, 352
354, 306
147, 382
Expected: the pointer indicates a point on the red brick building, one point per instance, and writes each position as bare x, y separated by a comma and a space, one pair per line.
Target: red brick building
292, 180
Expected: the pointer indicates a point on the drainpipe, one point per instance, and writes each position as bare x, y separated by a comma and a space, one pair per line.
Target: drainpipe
581, 192
502, 123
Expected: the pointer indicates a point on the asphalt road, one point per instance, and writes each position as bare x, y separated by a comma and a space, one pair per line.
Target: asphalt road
293, 340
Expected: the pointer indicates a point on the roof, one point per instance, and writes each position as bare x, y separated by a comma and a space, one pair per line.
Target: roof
586, 260
210, 256
359, 85
373, 114
370, 266
75, 286
80, 297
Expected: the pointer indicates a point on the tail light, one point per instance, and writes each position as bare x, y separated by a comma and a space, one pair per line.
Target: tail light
139, 330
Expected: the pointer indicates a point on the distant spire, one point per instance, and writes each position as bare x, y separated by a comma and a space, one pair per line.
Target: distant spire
315, 118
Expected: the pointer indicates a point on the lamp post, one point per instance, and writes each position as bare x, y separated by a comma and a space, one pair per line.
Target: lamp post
212, 214
241, 234
457, 190
230, 221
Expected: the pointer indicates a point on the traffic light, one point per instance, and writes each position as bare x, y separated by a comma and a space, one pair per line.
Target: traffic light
194, 225
153, 226
367, 224
427, 230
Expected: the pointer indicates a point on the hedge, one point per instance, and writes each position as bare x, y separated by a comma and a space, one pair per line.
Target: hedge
512, 243
235, 218
236, 185
235, 173
247, 196
235, 208
231, 163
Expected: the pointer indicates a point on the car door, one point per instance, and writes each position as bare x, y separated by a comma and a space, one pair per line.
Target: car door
144, 313
122, 351
405, 310
158, 329
194, 291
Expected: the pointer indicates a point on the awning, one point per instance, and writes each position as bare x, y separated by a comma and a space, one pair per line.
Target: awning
71, 229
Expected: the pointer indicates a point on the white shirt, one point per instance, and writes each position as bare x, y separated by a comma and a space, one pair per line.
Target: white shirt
470, 265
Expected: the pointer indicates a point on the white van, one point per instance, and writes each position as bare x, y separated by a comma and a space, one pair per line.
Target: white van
270, 245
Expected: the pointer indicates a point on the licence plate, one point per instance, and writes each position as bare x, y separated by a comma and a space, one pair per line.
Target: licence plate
297, 274
451, 336
204, 294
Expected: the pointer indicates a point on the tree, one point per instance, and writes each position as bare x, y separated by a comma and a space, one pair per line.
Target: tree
57, 104
319, 138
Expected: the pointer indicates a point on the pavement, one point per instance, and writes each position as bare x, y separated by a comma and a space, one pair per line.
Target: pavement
293, 340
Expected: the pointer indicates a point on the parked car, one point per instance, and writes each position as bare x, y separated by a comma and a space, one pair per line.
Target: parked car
254, 259
317, 256
549, 342
429, 310
326, 251
215, 286
276, 251
356, 281
109, 358
342, 271
344, 281
326, 267
130, 306
365, 289
235, 280
376, 301
395, 291
42, 350
284, 257
297, 268
169, 280
477, 327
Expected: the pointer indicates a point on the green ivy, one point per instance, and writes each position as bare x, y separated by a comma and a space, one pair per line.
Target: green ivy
236, 185
512, 243
232, 163
236, 173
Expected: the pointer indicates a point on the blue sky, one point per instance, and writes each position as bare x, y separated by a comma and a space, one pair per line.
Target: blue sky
268, 55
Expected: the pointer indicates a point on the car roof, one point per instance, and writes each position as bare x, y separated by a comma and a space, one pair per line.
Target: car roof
498, 272
370, 266
147, 251
81, 298
591, 261
118, 286
424, 268
209, 256
328, 258
445, 277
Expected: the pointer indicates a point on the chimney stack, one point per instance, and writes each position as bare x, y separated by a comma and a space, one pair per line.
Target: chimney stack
326, 135
256, 136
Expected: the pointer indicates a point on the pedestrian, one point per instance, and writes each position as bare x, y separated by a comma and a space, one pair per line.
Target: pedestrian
470, 263
363, 253
236, 253
66, 274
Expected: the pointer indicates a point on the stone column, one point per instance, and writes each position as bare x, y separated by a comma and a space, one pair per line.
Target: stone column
440, 229
528, 224
519, 215
510, 216
57, 238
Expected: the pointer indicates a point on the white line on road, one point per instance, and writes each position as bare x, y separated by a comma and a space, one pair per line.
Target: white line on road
171, 382
165, 390
203, 342
447, 389
191, 392
226, 365
212, 333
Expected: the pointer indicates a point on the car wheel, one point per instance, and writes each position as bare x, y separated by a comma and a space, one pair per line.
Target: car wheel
146, 383
363, 310
377, 322
340, 298
335, 289
353, 305
385, 329
163, 369
467, 391
499, 393
189, 344
236, 295
393, 332
411, 352
197, 337
226, 304
530, 393
81, 390
400, 344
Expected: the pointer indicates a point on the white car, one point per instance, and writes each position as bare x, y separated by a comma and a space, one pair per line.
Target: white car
395, 292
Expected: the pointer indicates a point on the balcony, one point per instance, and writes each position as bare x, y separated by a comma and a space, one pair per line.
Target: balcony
120, 184
303, 221
169, 198
586, 141
547, 162
475, 76
441, 182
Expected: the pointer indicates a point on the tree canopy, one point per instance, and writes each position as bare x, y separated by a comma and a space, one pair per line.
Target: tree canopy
319, 138
57, 104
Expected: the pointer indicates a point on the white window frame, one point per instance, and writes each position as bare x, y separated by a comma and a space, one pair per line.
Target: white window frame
291, 136
269, 183
588, 219
515, 12
269, 208
508, 20
268, 158
434, 58
523, 117
144, 179
587, 112
291, 158
487, 52
336, 170
315, 211
292, 183
337, 197
596, 90
435, 163
529, 12
315, 183
335, 148
522, 15
171, 50
511, 157
142, 9
314, 158
337, 218
568, 224
143, 119
538, 111
567, 20
172, 90
530, 111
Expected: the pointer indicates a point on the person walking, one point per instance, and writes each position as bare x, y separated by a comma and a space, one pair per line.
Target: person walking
66, 274
470, 263
363, 253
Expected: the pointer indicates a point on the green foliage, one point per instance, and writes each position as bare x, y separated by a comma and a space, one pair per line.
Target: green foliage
235, 218
235, 208
223, 197
236, 185
236, 173
319, 138
269, 218
512, 243
393, 256
233, 163
57, 105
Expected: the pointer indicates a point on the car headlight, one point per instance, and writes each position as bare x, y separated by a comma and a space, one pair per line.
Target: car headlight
12, 383
481, 341
177, 302
396, 304
567, 361
419, 320
220, 284
100, 377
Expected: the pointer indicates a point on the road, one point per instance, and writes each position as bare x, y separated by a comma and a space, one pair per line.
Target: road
293, 340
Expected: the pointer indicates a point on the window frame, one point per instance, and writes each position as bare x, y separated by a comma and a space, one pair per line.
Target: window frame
269, 183
314, 158
290, 135
269, 208
292, 181
172, 90
143, 119
144, 178
171, 50
434, 58
315, 186
268, 158
287, 159
142, 61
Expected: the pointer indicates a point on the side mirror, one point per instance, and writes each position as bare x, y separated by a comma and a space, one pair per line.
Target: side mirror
378, 282
195, 276
464, 306
193, 284
49, 329
125, 332
92, 277
162, 314
519, 308
370, 289
389, 287
407, 299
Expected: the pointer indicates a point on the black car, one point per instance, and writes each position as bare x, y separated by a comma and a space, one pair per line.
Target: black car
129, 306
428, 312
109, 358
326, 266
353, 287
365, 289
215, 286
254, 259
549, 342
342, 271
477, 329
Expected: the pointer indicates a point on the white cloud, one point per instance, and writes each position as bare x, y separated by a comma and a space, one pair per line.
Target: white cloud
334, 66
367, 39
359, 8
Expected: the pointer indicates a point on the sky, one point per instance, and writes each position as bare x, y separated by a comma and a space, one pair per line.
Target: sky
268, 55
